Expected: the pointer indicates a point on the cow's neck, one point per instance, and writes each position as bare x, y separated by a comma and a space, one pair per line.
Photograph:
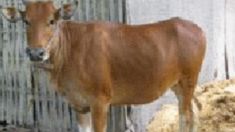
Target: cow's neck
61, 49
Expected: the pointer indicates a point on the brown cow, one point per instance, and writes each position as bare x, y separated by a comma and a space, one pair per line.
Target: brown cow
98, 64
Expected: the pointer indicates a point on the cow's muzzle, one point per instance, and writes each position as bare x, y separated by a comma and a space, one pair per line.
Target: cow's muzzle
36, 54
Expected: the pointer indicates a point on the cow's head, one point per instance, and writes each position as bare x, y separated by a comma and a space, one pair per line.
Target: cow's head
40, 18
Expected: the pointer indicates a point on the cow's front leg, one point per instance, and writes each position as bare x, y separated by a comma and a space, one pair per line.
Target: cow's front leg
99, 113
84, 121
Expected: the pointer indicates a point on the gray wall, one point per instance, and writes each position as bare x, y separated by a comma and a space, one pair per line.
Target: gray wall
230, 36
217, 19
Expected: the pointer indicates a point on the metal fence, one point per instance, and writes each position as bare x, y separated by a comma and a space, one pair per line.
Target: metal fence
26, 97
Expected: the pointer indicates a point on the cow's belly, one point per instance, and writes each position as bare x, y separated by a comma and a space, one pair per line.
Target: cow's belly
139, 94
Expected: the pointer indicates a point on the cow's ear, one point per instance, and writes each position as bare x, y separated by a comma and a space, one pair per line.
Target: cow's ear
67, 11
11, 14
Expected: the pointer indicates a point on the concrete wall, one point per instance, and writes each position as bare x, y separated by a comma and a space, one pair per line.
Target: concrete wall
215, 17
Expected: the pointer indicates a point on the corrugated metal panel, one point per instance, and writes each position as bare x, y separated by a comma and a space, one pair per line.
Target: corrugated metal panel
26, 97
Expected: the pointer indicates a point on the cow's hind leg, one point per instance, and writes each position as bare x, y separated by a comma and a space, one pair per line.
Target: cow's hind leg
184, 92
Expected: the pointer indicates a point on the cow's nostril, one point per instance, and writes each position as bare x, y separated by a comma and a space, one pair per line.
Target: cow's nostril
41, 53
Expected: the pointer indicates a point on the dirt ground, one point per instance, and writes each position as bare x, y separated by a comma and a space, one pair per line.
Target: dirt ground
216, 110
14, 129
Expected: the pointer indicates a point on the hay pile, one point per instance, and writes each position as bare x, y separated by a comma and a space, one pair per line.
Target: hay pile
216, 110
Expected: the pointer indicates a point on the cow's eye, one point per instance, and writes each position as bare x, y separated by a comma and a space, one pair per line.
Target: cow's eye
27, 22
52, 22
